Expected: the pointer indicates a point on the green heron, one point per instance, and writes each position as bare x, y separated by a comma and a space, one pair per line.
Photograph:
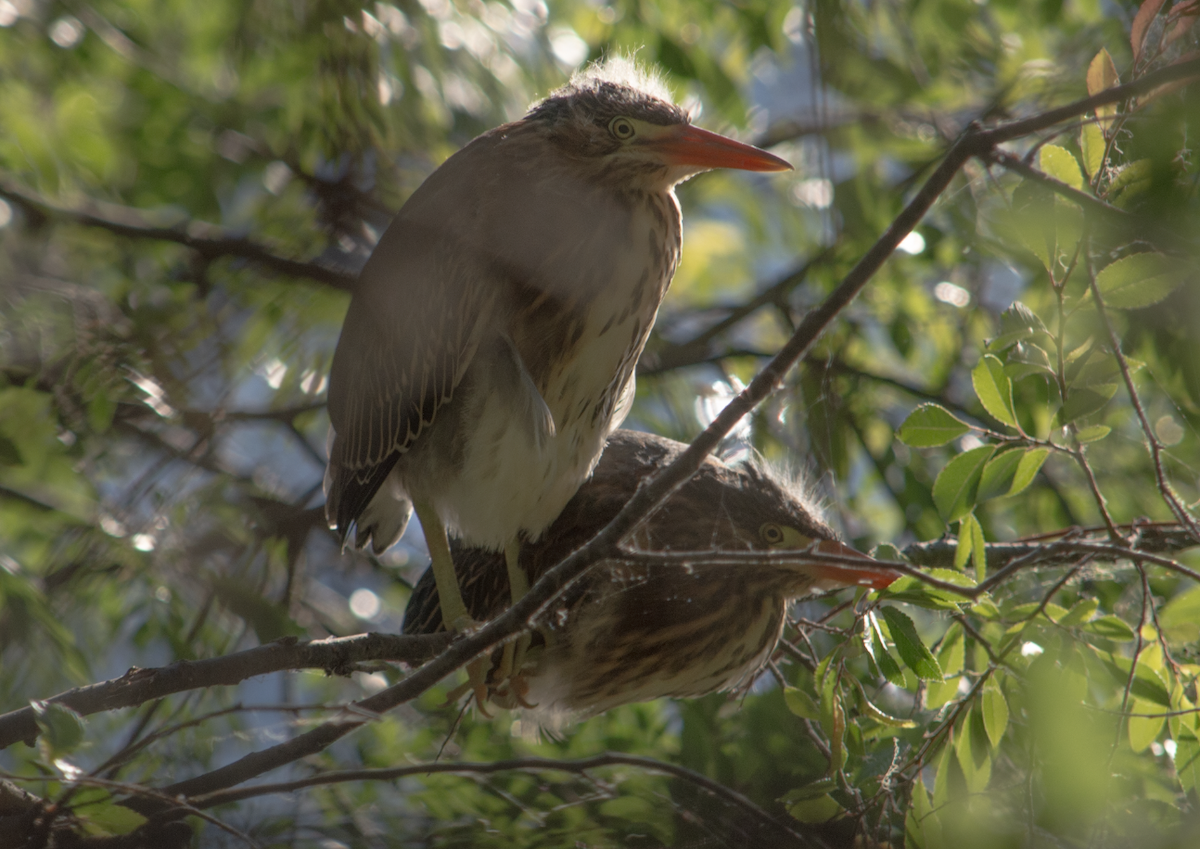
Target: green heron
628, 632
491, 341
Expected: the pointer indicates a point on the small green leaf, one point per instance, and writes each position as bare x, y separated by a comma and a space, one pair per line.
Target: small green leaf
974, 756
956, 486
820, 809
998, 474
1187, 761
1061, 165
886, 664
1080, 612
1140, 280
1144, 730
951, 652
929, 426
994, 708
994, 389
875, 713
1092, 434
979, 551
801, 703
1085, 401
1091, 143
1180, 618
1110, 628
107, 819
913, 652
62, 728
1027, 469
962, 551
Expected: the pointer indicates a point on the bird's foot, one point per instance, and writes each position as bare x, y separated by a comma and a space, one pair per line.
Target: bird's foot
510, 686
477, 670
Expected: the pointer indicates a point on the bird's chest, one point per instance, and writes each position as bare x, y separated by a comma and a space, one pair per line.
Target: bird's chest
583, 323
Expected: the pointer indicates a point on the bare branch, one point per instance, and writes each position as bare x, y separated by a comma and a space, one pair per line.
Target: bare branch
337, 655
207, 239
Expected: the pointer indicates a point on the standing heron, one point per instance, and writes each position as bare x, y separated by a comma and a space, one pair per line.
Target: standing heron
491, 341
628, 631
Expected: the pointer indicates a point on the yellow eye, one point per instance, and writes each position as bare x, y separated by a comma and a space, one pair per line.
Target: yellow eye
622, 128
771, 533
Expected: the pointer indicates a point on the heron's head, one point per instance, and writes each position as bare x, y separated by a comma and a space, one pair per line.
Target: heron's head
618, 122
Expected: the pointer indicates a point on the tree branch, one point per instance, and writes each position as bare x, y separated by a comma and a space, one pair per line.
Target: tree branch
336, 655
207, 239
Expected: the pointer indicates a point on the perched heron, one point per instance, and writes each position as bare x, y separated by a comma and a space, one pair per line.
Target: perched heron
628, 632
491, 341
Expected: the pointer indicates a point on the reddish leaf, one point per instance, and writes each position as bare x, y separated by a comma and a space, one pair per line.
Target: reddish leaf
1141, 23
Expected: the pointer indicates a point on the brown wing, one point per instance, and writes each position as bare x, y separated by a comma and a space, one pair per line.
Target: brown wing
423, 303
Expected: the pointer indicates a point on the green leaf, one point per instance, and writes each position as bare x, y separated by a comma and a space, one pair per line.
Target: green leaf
962, 551
1144, 730
913, 652
62, 728
1110, 628
1180, 618
997, 475
1085, 401
922, 827
910, 590
820, 809
1091, 143
956, 485
974, 755
951, 652
929, 426
108, 819
994, 389
801, 703
886, 664
1017, 323
1140, 280
994, 709
1092, 434
1027, 469
1187, 761
979, 551
1081, 612
1061, 165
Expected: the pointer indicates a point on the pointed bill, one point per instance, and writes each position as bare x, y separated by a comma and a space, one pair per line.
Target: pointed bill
869, 575
688, 145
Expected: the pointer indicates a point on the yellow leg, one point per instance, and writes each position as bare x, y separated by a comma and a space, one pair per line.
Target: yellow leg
454, 612
513, 656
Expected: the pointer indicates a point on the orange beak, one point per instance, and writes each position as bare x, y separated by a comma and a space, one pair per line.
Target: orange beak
688, 145
874, 576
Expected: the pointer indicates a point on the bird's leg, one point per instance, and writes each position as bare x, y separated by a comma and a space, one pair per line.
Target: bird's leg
513, 657
454, 612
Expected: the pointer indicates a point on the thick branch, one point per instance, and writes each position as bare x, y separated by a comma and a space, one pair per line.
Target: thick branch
336, 655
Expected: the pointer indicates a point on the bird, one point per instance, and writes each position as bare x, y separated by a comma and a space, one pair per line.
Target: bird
490, 343
628, 631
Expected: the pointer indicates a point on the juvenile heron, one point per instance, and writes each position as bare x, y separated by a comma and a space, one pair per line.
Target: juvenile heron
629, 632
491, 341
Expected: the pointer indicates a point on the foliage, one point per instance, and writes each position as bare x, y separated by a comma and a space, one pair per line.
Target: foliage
1011, 405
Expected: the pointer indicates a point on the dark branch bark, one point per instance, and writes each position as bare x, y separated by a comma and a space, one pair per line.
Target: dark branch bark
207, 239
337, 656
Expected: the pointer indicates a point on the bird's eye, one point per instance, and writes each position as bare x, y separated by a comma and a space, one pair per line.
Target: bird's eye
771, 533
621, 128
